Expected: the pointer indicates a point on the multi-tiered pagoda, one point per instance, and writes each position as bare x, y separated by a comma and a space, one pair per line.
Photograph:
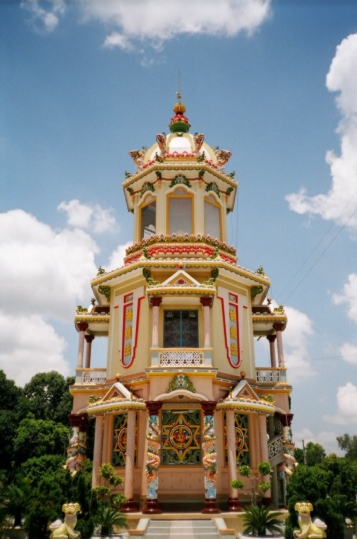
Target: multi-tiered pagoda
180, 402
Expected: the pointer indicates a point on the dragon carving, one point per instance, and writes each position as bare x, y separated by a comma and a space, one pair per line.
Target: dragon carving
138, 156
222, 156
198, 139
161, 140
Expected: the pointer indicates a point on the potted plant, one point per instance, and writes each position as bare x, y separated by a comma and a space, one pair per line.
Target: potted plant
260, 521
108, 514
264, 469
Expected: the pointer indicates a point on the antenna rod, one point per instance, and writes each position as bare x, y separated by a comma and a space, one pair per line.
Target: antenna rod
179, 87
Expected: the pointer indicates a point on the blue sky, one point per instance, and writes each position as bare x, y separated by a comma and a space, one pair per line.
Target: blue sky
84, 82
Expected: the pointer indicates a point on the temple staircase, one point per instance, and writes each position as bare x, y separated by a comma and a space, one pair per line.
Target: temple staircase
187, 529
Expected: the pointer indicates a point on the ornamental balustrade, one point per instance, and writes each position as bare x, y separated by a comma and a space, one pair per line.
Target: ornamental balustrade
91, 376
182, 358
271, 375
275, 447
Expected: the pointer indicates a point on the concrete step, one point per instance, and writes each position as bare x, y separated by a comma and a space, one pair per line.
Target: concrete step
184, 529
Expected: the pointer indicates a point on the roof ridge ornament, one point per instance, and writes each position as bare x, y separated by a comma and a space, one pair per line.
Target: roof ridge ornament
179, 123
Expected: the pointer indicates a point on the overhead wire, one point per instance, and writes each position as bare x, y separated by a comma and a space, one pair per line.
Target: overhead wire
317, 245
319, 258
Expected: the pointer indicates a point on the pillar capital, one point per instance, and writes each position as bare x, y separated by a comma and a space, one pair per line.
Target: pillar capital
279, 326
271, 338
208, 407
206, 301
79, 420
153, 407
89, 338
286, 419
82, 326
155, 301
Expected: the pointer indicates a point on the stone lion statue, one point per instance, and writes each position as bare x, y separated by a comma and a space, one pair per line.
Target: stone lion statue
308, 529
65, 530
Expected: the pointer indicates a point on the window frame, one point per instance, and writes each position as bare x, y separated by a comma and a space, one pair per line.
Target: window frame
146, 202
208, 198
173, 195
181, 346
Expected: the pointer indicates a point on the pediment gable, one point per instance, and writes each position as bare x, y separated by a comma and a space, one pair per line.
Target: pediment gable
245, 391
180, 278
117, 391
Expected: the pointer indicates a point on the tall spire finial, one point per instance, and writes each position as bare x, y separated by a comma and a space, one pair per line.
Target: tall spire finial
179, 87
179, 123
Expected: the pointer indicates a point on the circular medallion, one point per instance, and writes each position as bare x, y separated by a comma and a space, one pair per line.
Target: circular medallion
239, 439
181, 437
121, 439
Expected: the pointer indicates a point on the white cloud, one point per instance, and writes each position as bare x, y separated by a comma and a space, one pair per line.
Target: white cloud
42, 271
44, 274
117, 257
349, 353
341, 200
30, 345
349, 296
156, 21
44, 20
346, 406
325, 438
84, 216
295, 339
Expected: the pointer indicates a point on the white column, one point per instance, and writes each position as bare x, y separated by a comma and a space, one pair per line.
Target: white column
82, 326
89, 339
97, 453
130, 456
271, 339
264, 453
231, 449
279, 339
155, 302
206, 302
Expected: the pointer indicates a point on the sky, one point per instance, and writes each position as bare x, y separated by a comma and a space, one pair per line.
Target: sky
84, 82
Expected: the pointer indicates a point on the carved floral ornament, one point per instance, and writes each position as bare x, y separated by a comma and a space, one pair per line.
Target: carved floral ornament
181, 381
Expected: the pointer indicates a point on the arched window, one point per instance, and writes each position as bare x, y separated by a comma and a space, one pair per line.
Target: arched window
180, 212
148, 218
213, 217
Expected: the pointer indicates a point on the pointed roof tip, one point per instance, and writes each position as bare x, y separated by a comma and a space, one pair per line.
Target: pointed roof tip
179, 123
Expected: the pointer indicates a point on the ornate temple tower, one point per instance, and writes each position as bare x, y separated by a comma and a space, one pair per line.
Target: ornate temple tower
181, 402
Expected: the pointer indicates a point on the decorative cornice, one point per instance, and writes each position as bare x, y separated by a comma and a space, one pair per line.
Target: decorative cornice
182, 165
275, 318
191, 240
247, 405
157, 263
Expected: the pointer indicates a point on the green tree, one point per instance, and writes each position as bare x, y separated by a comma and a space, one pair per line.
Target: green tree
10, 396
16, 498
349, 444
48, 397
330, 487
50, 491
315, 454
35, 438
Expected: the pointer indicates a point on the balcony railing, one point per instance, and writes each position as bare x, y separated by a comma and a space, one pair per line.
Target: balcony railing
275, 447
271, 375
184, 358
181, 357
91, 376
